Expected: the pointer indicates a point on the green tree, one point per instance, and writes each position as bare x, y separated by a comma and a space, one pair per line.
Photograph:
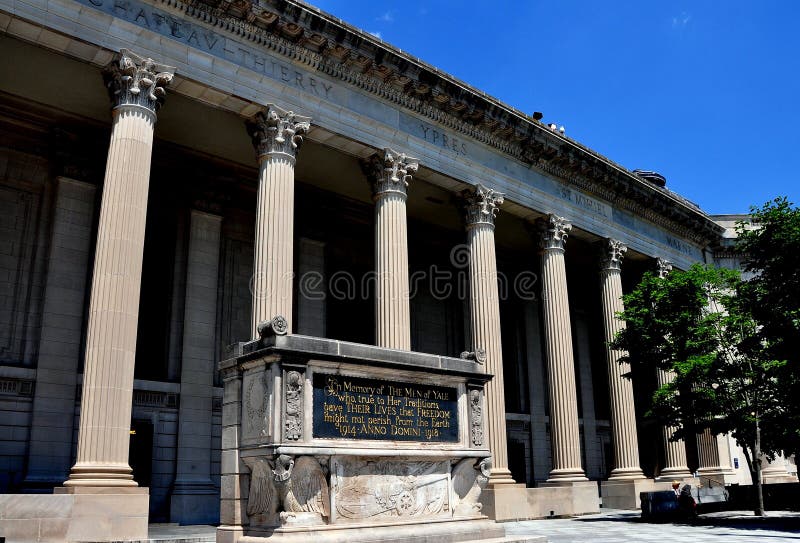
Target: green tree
769, 245
690, 323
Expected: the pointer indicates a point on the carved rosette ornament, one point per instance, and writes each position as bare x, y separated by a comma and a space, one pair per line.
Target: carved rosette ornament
476, 417
135, 81
478, 355
390, 174
555, 231
613, 252
481, 206
276, 326
663, 267
293, 414
275, 131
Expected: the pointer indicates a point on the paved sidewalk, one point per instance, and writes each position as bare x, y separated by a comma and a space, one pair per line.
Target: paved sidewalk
608, 527
624, 526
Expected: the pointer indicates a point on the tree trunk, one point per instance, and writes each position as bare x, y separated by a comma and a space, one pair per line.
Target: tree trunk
759, 510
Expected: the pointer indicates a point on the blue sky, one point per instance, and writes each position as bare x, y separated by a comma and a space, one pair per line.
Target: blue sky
705, 92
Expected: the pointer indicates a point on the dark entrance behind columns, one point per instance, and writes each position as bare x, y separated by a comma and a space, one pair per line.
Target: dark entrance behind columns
140, 454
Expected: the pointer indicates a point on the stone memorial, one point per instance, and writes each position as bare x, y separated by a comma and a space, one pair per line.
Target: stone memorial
332, 441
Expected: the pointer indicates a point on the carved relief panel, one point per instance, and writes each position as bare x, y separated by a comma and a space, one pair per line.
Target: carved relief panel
388, 488
287, 490
475, 408
257, 402
293, 401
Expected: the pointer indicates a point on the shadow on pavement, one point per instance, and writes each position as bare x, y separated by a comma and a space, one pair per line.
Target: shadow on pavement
780, 522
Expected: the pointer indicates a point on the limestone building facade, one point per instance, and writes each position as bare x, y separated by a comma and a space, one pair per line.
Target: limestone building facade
170, 169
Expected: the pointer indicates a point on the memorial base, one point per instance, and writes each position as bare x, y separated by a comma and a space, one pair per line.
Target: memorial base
511, 502
450, 531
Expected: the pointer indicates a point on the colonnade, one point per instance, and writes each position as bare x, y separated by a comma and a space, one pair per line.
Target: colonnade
137, 89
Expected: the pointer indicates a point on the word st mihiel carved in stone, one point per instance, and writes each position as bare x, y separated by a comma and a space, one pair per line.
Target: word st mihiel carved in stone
585, 202
198, 37
356, 408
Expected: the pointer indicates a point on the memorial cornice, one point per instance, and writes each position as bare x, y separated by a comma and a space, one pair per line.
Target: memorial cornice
324, 43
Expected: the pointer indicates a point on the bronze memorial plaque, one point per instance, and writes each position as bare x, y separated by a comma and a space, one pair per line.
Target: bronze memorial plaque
357, 408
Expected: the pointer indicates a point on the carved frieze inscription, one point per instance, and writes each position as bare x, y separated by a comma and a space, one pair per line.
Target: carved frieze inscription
585, 202
452, 144
199, 37
356, 408
385, 488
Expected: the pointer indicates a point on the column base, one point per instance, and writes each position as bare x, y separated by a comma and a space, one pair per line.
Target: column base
624, 493
101, 476
567, 475
674, 474
781, 475
194, 504
717, 476
501, 476
626, 474
512, 502
77, 514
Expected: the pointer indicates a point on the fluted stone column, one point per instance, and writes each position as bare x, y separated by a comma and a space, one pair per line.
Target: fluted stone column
623, 414
389, 175
481, 208
564, 430
277, 136
674, 451
136, 86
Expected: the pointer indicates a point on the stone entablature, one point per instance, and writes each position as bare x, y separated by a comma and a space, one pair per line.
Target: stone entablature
247, 65
334, 48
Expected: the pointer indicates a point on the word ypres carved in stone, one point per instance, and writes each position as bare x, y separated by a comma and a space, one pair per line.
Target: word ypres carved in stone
439, 137
195, 36
356, 408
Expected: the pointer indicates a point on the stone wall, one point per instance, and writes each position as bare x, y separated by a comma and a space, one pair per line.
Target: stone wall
16, 402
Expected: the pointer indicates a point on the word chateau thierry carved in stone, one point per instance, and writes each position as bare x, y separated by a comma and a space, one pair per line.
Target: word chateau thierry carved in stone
333, 437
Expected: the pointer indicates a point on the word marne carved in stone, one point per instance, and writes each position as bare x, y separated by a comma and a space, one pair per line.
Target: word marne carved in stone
356, 408
200, 38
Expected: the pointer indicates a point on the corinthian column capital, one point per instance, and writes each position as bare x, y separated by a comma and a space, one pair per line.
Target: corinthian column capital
277, 131
135, 81
554, 231
482, 205
663, 267
390, 173
613, 251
